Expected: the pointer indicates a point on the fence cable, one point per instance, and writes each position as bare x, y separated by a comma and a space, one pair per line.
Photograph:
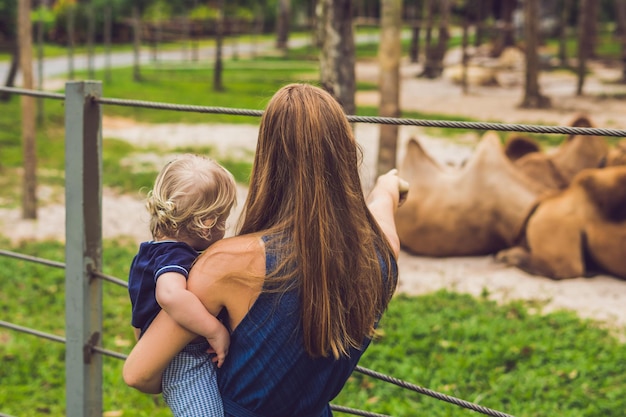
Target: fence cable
33, 93
34, 259
503, 127
431, 393
354, 411
59, 339
61, 265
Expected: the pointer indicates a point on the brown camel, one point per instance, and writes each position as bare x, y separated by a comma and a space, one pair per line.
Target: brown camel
477, 209
557, 168
577, 231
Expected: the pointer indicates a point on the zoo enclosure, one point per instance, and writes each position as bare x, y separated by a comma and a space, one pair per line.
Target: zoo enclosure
83, 235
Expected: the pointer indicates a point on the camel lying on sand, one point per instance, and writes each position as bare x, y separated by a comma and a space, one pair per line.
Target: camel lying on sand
556, 169
577, 231
477, 209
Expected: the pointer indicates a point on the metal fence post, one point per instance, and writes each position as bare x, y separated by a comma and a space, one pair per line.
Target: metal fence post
83, 250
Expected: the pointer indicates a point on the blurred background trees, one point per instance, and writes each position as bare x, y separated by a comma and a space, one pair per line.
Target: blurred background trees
567, 35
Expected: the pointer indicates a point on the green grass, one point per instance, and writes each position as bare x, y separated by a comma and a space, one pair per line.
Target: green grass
502, 357
507, 357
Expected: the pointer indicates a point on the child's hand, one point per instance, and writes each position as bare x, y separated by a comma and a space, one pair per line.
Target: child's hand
219, 341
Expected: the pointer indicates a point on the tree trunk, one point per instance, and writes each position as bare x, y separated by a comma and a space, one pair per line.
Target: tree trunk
480, 7
620, 9
464, 54
71, 17
257, 29
25, 42
108, 24
40, 62
591, 22
91, 34
219, 40
10, 80
337, 60
430, 17
136, 44
433, 67
532, 96
584, 44
506, 36
389, 54
282, 24
563, 24
417, 15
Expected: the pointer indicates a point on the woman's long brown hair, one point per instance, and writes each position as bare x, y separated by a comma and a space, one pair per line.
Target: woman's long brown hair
305, 187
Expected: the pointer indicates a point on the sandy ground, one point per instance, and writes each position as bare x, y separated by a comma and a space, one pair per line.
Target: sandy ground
601, 297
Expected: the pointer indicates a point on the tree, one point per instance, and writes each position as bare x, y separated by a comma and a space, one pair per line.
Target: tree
219, 38
8, 32
71, 36
91, 39
282, 24
584, 44
389, 53
532, 94
506, 36
620, 6
416, 12
337, 60
566, 6
108, 30
13, 68
136, 43
25, 42
433, 67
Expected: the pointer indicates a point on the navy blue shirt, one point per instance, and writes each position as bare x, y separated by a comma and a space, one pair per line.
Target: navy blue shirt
267, 371
153, 260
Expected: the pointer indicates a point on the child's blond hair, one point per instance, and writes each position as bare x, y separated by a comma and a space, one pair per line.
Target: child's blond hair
191, 195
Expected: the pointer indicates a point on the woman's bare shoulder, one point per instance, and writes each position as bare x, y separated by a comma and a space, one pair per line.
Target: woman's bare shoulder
234, 254
229, 274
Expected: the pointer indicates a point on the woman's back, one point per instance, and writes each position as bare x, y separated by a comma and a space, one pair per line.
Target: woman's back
268, 371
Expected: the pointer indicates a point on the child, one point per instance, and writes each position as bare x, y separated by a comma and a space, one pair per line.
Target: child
191, 199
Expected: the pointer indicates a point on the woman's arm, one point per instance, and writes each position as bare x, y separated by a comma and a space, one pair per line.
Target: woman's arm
388, 194
229, 274
187, 310
153, 352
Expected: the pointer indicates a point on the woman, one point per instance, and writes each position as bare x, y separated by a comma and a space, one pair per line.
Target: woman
305, 282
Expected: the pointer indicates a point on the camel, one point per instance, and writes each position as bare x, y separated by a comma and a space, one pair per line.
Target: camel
578, 230
476, 209
617, 154
556, 169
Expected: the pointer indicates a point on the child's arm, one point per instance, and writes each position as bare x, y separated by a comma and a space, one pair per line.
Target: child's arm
187, 310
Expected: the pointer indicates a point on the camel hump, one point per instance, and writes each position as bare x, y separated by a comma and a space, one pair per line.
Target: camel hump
517, 146
416, 155
414, 148
606, 189
617, 154
580, 120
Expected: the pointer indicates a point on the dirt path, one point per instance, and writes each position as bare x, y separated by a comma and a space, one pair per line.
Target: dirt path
601, 297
